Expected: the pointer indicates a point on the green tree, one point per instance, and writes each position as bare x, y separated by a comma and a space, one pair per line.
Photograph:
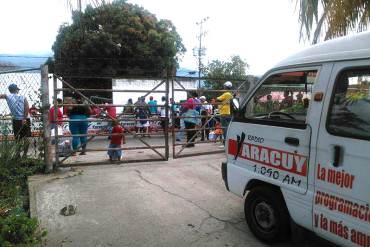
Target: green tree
217, 72
332, 18
115, 39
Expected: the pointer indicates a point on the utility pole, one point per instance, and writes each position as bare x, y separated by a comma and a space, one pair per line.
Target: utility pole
200, 51
79, 6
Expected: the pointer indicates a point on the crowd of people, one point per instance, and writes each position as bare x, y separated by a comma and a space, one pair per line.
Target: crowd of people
209, 117
286, 102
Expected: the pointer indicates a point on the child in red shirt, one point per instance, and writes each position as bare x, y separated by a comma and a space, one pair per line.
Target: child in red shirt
59, 115
116, 140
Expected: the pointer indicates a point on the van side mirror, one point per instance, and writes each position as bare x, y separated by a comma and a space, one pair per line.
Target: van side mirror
235, 104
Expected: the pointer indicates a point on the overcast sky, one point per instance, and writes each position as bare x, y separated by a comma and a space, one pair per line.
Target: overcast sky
262, 32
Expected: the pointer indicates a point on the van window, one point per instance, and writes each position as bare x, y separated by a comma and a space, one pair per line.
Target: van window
349, 112
282, 99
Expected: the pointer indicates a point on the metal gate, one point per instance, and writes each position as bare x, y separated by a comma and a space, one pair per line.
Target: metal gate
98, 132
153, 145
209, 144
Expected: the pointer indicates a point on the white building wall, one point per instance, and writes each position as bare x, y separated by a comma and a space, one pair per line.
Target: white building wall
131, 84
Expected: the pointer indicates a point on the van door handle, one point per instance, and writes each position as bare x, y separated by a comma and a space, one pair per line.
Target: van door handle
292, 141
337, 154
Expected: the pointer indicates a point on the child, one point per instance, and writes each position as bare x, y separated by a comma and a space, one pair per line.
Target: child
116, 140
218, 130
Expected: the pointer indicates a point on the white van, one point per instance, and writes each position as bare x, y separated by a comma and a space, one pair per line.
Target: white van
298, 148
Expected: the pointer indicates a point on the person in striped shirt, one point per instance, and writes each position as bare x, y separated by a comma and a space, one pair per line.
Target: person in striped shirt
19, 109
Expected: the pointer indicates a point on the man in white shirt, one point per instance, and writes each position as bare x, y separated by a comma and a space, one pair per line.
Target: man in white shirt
19, 109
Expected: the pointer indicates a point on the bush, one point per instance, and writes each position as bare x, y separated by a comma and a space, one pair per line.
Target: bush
16, 228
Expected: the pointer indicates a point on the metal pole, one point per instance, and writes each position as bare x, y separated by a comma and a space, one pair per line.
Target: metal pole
45, 118
79, 6
167, 117
173, 120
200, 52
56, 138
200, 59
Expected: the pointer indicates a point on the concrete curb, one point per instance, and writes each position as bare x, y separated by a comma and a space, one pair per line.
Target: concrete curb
35, 181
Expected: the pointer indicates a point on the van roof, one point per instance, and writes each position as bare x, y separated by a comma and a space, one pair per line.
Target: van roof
346, 48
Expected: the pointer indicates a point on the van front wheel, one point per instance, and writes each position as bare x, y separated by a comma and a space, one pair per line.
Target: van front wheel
266, 214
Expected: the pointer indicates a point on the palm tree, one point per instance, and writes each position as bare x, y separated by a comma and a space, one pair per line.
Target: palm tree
334, 17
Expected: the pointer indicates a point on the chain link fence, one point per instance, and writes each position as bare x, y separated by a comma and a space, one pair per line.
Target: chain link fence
29, 83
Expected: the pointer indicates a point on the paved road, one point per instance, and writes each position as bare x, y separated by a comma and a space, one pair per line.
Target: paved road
179, 203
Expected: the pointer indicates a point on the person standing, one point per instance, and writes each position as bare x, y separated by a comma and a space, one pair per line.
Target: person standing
142, 115
163, 113
197, 102
111, 111
129, 107
204, 112
269, 104
287, 101
182, 110
116, 140
152, 106
19, 109
191, 120
34, 111
224, 108
79, 124
59, 115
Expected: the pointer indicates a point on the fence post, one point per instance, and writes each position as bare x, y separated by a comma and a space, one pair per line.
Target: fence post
166, 128
174, 137
45, 118
56, 134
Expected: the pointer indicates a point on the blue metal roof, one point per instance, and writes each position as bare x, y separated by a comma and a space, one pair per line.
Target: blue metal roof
183, 72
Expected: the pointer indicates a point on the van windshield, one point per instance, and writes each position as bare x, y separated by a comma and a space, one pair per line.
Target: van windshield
283, 97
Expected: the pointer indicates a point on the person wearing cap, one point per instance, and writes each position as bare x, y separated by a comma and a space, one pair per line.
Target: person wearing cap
224, 108
204, 112
19, 109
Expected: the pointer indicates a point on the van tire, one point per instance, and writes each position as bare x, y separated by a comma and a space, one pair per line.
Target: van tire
266, 214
